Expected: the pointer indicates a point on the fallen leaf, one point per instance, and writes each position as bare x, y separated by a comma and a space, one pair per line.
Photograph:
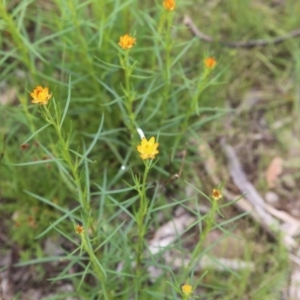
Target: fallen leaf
274, 170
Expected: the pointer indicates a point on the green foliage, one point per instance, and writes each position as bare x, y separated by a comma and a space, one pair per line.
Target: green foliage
79, 163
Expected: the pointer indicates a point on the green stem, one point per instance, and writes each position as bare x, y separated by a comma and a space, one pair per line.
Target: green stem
99, 272
141, 215
210, 217
141, 222
129, 95
194, 107
64, 147
167, 69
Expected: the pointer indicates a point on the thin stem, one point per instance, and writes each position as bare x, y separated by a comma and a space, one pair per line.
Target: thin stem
64, 147
99, 272
129, 94
140, 218
164, 34
194, 106
168, 17
210, 217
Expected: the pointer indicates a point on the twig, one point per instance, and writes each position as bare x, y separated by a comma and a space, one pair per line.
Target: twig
248, 44
272, 220
268, 216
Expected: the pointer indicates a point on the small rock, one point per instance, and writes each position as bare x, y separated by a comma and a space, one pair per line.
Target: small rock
272, 198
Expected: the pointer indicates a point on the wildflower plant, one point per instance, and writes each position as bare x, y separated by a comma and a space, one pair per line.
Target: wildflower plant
84, 171
148, 151
126, 43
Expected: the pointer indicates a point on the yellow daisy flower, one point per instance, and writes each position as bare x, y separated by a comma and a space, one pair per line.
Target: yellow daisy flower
169, 4
40, 95
147, 149
126, 41
79, 229
216, 194
187, 289
210, 62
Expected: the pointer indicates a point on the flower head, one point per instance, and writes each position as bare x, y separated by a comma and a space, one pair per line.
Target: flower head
216, 194
126, 41
169, 4
210, 62
79, 229
24, 146
147, 149
187, 289
40, 95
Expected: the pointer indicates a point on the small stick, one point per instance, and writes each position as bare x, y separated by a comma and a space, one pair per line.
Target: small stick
248, 44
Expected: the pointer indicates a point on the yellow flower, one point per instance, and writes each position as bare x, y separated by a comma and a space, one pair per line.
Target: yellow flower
210, 62
147, 149
79, 229
216, 194
127, 41
40, 95
187, 289
169, 4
